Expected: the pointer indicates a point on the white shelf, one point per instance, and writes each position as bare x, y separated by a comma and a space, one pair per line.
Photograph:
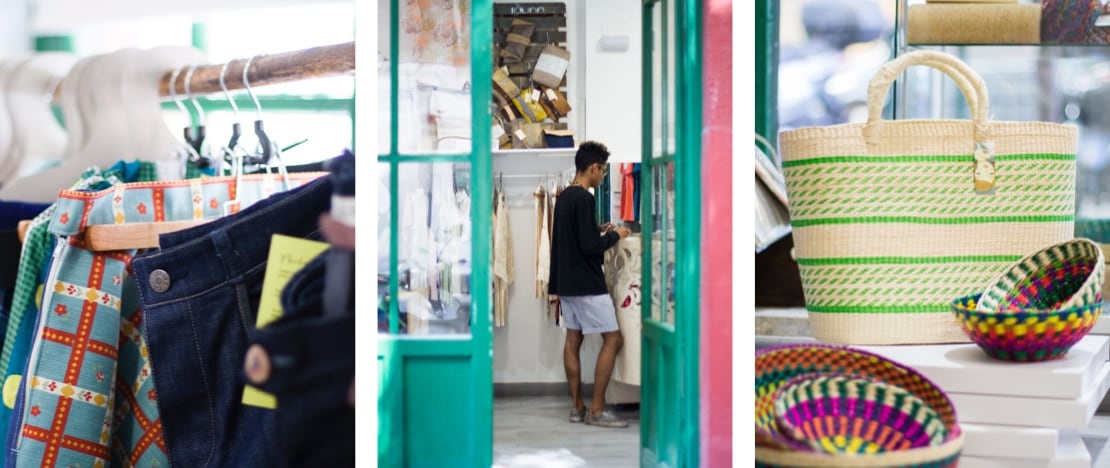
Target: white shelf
985, 440
1038, 412
545, 152
964, 368
1071, 454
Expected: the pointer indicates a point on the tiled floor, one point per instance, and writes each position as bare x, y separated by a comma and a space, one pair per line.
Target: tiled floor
534, 432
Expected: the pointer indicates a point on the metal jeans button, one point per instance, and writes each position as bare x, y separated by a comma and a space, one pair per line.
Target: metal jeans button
159, 280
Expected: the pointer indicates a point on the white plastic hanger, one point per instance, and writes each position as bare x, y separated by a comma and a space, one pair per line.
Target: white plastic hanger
38, 138
5, 119
107, 131
68, 95
155, 141
120, 102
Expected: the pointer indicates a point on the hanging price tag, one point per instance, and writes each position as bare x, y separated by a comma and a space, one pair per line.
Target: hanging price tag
520, 134
551, 95
535, 95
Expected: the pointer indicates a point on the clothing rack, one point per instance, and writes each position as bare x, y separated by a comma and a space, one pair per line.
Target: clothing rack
315, 62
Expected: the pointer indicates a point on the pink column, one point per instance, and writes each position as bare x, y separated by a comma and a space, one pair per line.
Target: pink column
716, 242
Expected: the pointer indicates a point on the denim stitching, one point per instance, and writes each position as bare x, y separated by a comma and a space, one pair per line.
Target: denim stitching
195, 295
207, 388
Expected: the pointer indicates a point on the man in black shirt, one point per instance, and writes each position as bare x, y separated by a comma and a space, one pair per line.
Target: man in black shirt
578, 246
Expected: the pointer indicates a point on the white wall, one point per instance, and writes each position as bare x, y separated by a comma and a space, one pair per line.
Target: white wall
62, 16
613, 79
15, 36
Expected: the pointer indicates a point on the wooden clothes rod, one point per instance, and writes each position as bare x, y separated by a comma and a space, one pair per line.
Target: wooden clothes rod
315, 62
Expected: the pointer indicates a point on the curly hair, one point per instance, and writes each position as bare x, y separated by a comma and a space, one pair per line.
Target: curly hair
590, 153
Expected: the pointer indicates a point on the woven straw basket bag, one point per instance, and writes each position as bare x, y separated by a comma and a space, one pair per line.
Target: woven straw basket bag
893, 220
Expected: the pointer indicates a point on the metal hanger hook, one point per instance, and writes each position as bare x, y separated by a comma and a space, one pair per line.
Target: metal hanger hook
173, 94
223, 86
247, 84
191, 98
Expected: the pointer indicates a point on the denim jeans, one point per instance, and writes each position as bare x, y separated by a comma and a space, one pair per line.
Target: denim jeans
199, 293
312, 357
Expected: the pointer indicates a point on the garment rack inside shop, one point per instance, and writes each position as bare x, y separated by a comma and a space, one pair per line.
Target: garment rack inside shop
316, 62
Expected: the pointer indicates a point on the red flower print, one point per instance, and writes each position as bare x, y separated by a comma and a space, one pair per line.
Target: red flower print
71, 290
627, 302
213, 203
197, 199
52, 386
151, 395
116, 280
446, 34
99, 376
35, 411
117, 198
141, 208
65, 218
88, 396
60, 309
145, 372
105, 299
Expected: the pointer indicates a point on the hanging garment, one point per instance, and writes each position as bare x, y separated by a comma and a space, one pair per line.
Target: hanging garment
205, 389
435, 32
502, 261
543, 244
311, 349
312, 345
38, 243
622, 275
88, 395
628, 193
637, 182
35, 261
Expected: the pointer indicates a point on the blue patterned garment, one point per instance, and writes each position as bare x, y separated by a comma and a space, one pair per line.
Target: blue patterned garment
88, 396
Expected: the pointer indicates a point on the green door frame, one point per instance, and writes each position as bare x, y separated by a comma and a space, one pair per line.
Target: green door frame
435, 404
669, 409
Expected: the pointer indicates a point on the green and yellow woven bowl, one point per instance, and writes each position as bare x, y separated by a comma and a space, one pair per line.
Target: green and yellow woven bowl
854, 415
775, 366
1062, 276
946, 455
1026, 335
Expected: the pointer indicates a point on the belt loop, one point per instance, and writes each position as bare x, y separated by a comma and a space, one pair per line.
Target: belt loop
228, 255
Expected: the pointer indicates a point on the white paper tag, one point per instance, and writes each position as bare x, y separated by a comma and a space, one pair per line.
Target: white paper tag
551, 95
520, 134
497, 131
535, 95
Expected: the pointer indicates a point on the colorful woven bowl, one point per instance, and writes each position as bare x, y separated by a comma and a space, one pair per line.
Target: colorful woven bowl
1062, 276
775, 366
946, 455
846, 414
1026, 335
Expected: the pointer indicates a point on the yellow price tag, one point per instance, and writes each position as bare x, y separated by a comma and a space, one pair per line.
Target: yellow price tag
287, 256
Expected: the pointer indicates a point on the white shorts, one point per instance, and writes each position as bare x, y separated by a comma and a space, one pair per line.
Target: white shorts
591, 314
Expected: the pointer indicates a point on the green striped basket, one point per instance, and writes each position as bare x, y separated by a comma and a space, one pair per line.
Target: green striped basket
893, 220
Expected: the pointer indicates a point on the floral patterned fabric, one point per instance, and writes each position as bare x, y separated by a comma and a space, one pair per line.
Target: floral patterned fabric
88, 396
